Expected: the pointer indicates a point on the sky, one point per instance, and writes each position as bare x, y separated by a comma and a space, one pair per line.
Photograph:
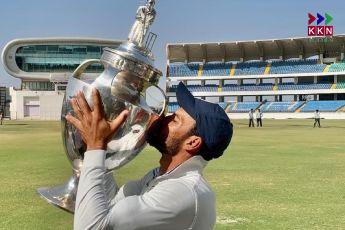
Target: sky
177, 21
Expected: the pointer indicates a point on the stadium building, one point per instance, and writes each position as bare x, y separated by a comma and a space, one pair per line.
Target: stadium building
285, 78
44, 66
5, 100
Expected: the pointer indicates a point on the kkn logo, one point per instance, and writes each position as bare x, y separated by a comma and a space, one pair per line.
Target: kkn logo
320, 30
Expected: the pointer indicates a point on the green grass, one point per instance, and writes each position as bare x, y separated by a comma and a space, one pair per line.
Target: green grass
286, 175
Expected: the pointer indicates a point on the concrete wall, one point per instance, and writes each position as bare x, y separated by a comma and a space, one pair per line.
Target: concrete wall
50, 103
325, 115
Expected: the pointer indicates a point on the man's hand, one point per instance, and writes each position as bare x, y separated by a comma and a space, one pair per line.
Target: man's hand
91, 123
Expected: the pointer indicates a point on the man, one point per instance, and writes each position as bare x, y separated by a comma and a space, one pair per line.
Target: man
258, 116
251, 118
1, 117
317, 118
175, 195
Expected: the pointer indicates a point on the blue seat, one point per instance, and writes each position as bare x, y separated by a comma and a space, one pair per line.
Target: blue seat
243, 106
183, 70
296, 66
216, 69
323, 106
281, 106
250, 68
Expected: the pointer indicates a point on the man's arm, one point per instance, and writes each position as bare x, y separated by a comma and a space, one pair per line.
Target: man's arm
157, 208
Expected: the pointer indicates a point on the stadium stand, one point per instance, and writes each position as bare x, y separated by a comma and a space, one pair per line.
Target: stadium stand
239, 72
323, 106
223, 105
216, 69
254, 68
248, 87
198, 88
178, 70
304, 86
340, 85
261, 87
281, 106
250, 68
173, 106
337, 67
296, 66
275, 107
240, 107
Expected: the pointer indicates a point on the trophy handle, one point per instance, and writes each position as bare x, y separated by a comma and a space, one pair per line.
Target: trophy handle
165, 101
82, 67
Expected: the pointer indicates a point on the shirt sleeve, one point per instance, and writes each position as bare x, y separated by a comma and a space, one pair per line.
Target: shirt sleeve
157, 208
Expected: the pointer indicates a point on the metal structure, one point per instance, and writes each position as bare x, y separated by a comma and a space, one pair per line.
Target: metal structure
128, 75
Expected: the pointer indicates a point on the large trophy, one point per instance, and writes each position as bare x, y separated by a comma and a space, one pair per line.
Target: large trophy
124, 84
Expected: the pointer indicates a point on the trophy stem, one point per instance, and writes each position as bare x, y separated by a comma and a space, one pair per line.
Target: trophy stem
62, 196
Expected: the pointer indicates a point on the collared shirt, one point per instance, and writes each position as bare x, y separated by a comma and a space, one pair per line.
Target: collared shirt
317, 115
251, 115
179, 199
258, 115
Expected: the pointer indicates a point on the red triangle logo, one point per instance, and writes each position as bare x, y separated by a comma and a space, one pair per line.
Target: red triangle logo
311, 18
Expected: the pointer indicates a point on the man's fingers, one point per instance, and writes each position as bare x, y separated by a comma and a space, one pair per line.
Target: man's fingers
84, 106
118, 121
74, 121
76, 109
97, 103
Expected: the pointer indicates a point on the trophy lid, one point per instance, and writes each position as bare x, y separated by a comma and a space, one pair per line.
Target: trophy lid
135, 55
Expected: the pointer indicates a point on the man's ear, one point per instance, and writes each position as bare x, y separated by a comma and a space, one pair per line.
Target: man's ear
193, 144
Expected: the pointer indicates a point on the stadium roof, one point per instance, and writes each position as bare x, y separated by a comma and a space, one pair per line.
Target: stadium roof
9, 53
254, 50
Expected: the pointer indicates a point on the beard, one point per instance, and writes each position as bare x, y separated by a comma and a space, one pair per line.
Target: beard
157, 137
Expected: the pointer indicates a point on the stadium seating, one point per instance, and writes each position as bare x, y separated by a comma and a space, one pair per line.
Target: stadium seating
341, 85
261, 87
304, 86
253, 68
275, 107
179, 70
198, 88
296, 66
216, 69
240, 107
223, 105
172, 107
337, 67
281, 106
323, 106
248, 87
250, 68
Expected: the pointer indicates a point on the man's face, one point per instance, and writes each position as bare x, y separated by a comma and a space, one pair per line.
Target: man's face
168, 134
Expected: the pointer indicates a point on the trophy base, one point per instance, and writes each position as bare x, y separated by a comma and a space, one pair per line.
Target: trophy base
62, 196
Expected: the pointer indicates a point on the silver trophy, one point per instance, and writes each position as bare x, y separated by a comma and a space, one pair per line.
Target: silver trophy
124, 84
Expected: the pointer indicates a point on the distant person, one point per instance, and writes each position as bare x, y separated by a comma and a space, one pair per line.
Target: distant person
258, 116
251, 118
317, 118
1, 117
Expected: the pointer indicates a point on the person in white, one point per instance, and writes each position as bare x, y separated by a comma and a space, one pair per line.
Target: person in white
258, 116
175, 195
317, 118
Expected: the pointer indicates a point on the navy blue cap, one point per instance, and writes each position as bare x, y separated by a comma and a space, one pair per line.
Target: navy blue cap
212, 123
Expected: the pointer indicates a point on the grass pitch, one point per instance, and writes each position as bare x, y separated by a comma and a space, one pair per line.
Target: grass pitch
286, 175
